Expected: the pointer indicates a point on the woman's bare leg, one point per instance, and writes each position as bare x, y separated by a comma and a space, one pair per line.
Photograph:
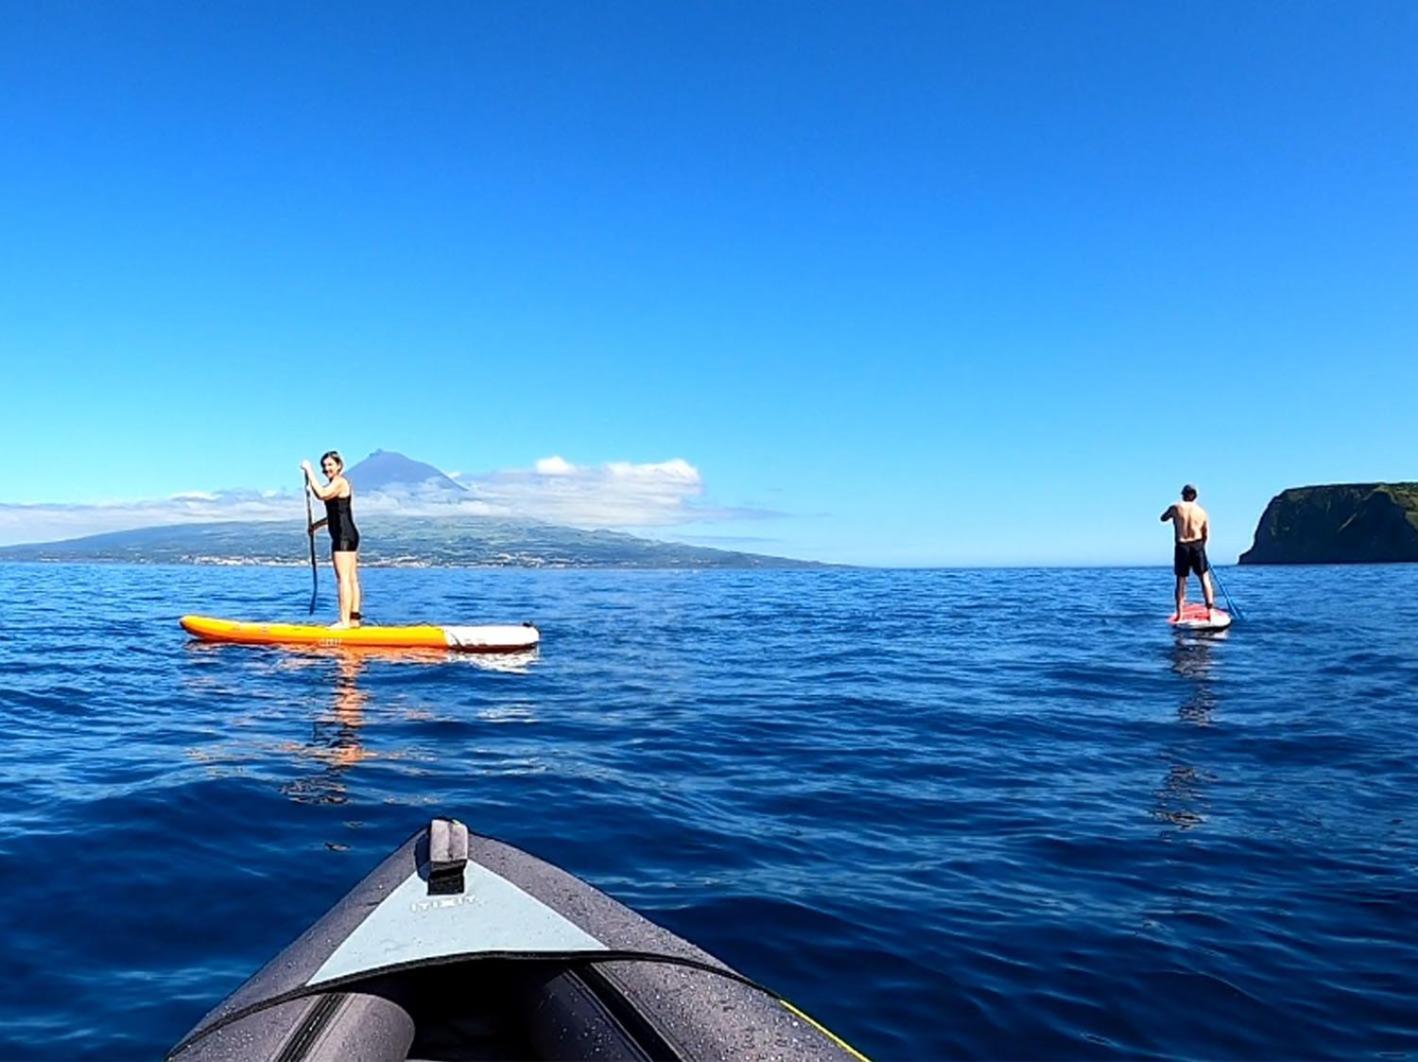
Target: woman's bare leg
343, 562
339, 587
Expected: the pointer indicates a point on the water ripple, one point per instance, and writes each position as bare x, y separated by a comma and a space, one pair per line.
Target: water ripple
952, 814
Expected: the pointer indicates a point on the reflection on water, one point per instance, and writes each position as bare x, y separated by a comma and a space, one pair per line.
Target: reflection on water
338, 739
509, 663
1192, 660
1181, 800
508, 713
334, 740
516, 663
335, 737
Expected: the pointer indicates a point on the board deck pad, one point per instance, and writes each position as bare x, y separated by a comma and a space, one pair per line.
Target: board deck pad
492, 638
1194, 618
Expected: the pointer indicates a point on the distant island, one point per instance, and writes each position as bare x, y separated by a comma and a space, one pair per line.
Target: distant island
395, 541
1345, 523
422, 522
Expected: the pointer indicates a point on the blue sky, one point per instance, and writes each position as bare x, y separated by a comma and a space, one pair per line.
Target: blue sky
926, 283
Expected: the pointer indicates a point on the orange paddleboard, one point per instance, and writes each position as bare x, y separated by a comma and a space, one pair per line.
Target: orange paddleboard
500, 638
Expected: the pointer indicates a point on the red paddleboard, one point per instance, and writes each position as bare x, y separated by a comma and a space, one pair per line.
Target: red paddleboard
1194, 618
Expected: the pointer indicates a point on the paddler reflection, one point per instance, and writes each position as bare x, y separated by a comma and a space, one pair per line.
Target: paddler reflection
335, 737
1181, 800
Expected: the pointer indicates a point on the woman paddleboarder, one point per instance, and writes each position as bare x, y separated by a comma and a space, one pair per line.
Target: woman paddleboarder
344, 537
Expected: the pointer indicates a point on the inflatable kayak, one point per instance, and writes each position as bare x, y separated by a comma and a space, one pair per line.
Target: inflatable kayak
461, 947
1194, 618
505, 638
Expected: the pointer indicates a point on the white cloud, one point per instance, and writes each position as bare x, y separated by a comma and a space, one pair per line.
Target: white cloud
618, 494
678, 470
48, 523
555, 466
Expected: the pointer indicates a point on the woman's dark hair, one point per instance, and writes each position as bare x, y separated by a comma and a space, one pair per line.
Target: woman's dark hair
336, 455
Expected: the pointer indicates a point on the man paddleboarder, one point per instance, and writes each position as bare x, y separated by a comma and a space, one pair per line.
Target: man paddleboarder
1191, 528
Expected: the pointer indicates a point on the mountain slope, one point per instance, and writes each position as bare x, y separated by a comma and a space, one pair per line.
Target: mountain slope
395, 541
386, 471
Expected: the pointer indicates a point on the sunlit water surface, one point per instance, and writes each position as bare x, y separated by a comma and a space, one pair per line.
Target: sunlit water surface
950, 813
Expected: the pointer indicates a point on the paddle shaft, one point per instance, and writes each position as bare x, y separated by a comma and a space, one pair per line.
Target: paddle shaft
310, 530
1222, 586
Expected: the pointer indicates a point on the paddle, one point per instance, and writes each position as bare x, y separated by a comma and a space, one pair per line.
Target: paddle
1229, 603
310, 530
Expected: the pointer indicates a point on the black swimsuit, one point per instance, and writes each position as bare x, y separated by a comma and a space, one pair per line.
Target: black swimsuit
344, 536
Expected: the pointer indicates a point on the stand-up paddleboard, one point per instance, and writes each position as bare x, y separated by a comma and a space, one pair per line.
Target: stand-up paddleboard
1194, 618
504, 638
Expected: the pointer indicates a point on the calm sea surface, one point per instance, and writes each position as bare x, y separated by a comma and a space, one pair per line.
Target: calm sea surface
949, 813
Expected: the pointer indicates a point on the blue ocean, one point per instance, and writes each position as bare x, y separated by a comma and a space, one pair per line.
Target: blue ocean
971, 814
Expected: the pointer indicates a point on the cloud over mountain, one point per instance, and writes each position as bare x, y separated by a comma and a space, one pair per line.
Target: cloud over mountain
48, 523
617, 494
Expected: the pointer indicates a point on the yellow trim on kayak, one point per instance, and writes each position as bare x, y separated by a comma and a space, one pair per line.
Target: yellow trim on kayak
843, 1044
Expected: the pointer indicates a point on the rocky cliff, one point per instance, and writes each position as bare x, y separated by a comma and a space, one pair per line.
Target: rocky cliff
1345, 523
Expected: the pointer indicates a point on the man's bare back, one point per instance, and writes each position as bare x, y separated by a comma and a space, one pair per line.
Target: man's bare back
1189, 522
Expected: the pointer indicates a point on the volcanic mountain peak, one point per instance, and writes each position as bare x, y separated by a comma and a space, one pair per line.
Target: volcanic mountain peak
386, 470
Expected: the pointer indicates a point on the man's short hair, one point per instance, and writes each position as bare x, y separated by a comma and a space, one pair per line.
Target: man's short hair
1188, 493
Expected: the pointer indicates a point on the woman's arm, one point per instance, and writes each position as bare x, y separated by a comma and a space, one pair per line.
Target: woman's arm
330, 490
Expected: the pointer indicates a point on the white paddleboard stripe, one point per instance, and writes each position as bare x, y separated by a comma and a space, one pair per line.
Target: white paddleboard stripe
488, 637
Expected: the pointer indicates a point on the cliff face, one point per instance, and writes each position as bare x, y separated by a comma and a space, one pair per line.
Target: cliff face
1347, 523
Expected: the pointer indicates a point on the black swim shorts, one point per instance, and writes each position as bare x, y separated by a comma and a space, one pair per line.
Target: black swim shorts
347, 541
1189, 557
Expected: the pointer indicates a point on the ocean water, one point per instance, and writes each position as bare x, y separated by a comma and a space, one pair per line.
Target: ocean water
989, 814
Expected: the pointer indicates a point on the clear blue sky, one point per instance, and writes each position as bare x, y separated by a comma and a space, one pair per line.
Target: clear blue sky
915, 276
